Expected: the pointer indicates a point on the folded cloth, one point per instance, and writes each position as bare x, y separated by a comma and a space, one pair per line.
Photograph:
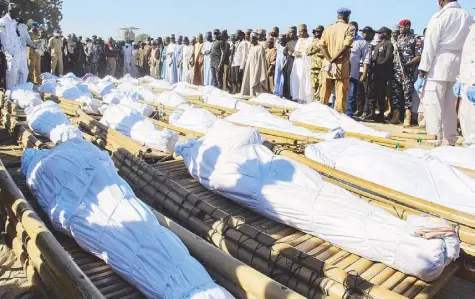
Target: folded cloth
432, 228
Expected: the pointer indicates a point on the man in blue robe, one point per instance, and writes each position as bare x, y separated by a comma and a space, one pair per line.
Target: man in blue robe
179, 58
279, 65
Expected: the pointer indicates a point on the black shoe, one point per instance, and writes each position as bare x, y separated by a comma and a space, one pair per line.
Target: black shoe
379, 118
367, 118
358, 114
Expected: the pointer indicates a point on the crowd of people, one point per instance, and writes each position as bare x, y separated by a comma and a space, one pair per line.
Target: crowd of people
358, 72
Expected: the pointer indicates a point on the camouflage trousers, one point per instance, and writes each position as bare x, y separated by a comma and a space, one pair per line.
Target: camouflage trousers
316, 76
402, 90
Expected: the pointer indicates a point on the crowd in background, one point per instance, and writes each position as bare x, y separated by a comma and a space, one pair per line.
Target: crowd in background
358, 72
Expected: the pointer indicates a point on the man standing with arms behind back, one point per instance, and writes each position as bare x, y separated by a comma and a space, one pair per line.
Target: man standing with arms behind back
439, 67
55, 46
337, 41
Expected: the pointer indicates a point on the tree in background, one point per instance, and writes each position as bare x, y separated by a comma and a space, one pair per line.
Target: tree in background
141, 37
48, 13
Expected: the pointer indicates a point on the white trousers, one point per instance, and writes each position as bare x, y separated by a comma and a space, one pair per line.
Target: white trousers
467, 118
127, 67
23, 68
440, 110
13, 70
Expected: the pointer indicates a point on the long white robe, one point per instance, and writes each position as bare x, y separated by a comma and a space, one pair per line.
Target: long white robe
187, 51
170, 73
467, 79
300, 81
207, 63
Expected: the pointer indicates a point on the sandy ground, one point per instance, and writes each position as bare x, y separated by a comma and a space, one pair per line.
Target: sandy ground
13, 282
457, 288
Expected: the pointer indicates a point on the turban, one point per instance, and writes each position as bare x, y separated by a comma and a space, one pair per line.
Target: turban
302, 27
405, 23
282, 36
261, 31
254, 35
343, 11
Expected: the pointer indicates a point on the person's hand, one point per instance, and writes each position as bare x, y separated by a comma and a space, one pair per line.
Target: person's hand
419, 84
471, 94
298, 54
220, 67
457, 89
363, 77
422, 74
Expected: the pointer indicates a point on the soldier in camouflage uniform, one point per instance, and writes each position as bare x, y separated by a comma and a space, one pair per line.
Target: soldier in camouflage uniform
408, 51
93, 56
317, 61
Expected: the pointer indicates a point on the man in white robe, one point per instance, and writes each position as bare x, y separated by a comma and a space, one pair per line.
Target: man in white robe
170, 73
439, 67
206, 51
465, 89
186, 61
300, 79
255, 74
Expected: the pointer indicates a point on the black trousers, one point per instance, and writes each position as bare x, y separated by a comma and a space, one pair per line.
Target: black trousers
376, 93
216, 76
287, 72
235, 79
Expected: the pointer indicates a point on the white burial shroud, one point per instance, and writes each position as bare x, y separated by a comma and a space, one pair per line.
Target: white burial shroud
273, 100
317, 114
78, 188
261, 117
132, 124
195, 119
456, 156
232, 161
23, 96
49, 121
115, 96
431, 180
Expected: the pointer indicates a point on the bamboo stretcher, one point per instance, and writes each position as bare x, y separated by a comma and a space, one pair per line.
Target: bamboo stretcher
148, 181
163, 112
419, 136
406, 204
248, 256
240, 279
402, 203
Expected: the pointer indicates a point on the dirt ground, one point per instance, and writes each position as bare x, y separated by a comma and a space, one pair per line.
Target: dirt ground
13, 281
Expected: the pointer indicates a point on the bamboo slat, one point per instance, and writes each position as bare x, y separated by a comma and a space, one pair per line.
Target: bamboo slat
231, 269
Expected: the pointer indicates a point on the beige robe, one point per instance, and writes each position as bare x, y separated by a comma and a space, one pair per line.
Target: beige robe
197, 72
255, 74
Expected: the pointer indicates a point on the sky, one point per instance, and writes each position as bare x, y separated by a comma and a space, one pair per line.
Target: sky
189, 17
